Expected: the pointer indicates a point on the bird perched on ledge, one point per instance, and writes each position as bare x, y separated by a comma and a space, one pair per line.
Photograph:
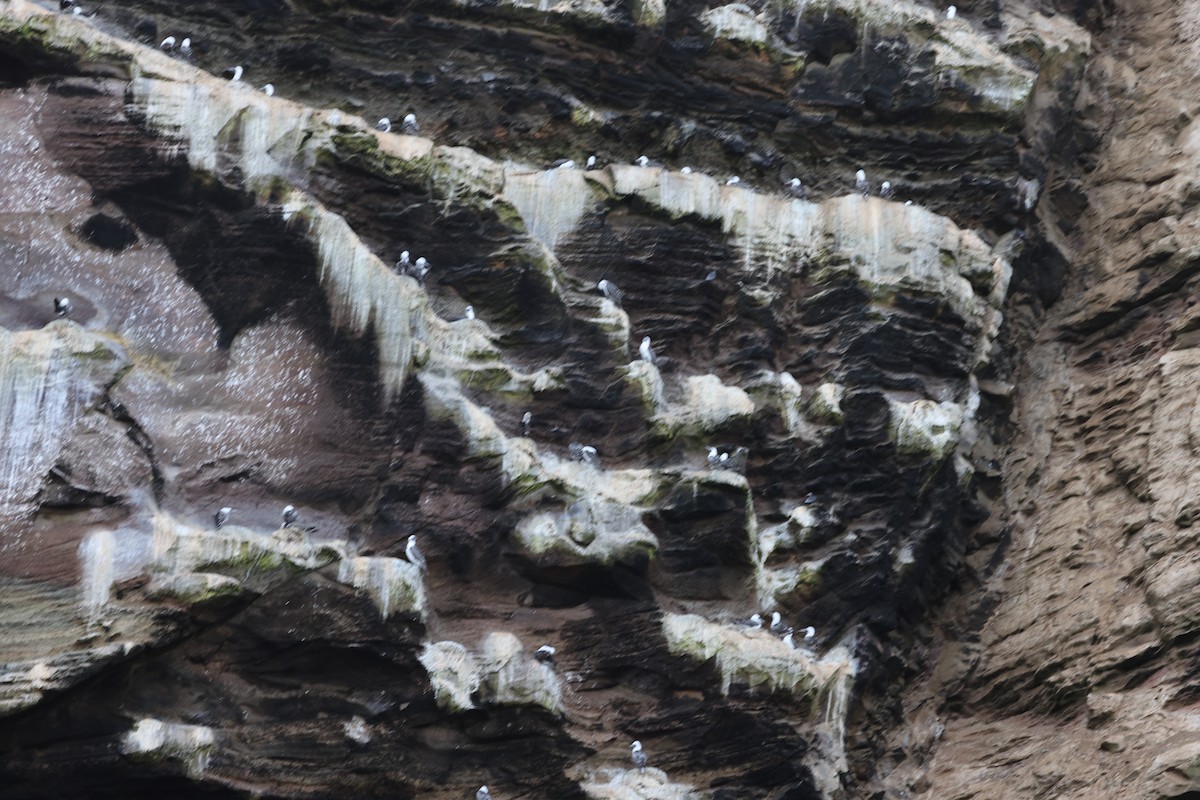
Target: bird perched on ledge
222, 516
861, 183
646, 350
414, 554
639, 755
610, 290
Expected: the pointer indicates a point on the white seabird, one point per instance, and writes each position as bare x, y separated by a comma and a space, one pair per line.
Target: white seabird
167, 44
810, 633
414, 554
62, 306
951, 12
610, 290
222, 516
404, 263
526, 422
886, 191
545, 654
483, 794
384, 125
734, 180
566, 163
585, 453
591, 162
469, 312
639, 755
646, 351
237, 74
289, 516
685, 171
185, 47
409, 125
861, 183
777, 626
788, 641
796, 189
420, 269
642, 161
268, 89
755, 622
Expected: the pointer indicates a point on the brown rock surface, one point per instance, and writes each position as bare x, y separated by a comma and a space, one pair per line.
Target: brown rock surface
995, 554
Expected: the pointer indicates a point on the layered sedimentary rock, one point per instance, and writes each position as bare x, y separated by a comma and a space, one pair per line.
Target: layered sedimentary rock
240, 337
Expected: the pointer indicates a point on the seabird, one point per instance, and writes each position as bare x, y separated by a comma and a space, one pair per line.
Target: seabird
716, 458
639, 756
483, 794
734, 180
777, 626
886, 191
62, 306
796, 189
861, 183
755, 622
167, 44
384, 125
646, 350
469, 312
809, 633
289, 516
545, 654
77, 11
565, 163
526, 422
951, 12
222, 516
585, 453
1027, 193
788, 641
237, 74
404, 263
414, 554
591, 162
685, 171
409, 125
268, 89
642, 161
185, 47
610, 290
420, 269
809, 499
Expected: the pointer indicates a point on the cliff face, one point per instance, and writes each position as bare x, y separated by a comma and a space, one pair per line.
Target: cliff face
939, 406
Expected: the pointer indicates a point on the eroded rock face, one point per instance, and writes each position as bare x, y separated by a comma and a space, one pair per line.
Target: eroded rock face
240, 338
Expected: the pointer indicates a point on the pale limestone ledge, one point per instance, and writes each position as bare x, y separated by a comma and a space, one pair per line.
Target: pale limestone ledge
886, 245
963, 51
48, 377
502, 672
158, 740
760, 659
618, 783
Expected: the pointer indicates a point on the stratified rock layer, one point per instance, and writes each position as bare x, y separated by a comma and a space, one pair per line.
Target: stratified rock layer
240, 338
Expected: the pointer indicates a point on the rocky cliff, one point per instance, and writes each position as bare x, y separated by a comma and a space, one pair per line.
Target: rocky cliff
955, 411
